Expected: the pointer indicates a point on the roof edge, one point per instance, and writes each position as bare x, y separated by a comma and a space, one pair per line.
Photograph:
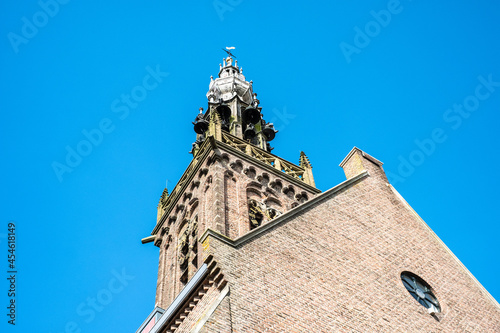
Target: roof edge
188, 175
407, 205
151, 315
179, 300
365, 155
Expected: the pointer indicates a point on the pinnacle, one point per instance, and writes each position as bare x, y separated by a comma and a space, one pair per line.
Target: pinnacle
304, 161
164, 194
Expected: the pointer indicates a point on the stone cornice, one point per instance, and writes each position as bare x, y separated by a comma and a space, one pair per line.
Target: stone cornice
282, 218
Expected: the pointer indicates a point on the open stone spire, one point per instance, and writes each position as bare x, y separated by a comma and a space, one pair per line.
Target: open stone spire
233, 98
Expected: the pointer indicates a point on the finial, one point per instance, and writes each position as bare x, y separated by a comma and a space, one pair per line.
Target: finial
212, 77
251, 82
236, 63
220, 66
201, 110
256, 102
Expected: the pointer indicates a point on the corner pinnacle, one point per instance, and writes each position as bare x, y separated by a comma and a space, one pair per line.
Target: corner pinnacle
304, 161
164, 195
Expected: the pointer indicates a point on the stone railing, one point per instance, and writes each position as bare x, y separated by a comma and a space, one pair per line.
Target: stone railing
264, 156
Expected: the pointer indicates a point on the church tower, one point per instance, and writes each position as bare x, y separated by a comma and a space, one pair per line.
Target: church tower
233, 184
249, 244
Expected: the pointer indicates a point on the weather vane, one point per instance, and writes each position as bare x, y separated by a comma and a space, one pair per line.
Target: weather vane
228, 51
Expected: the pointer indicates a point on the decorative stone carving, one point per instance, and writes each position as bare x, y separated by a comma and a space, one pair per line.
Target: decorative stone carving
257, 211
271, 213
289, 191
263, 179
188, 195
203, 171
187, 246
236, 166
250, 172
195, 184
276, 185
255, 214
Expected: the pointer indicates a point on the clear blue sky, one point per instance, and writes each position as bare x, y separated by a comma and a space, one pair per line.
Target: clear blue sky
331, 74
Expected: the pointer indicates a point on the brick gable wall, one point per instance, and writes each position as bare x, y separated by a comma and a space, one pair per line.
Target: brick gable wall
336, 266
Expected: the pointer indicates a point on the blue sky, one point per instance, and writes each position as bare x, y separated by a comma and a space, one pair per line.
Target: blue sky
416, 84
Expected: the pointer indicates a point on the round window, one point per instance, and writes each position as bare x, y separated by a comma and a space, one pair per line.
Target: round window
421, 291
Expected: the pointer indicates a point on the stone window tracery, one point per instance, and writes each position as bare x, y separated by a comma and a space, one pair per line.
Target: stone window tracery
255, 214
259, 212
188, 249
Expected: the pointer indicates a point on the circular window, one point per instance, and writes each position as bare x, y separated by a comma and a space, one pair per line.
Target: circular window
421, 291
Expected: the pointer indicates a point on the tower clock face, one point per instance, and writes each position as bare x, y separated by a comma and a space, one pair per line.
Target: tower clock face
421, 291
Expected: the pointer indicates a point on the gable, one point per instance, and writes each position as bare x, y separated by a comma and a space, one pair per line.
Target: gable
335, 263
